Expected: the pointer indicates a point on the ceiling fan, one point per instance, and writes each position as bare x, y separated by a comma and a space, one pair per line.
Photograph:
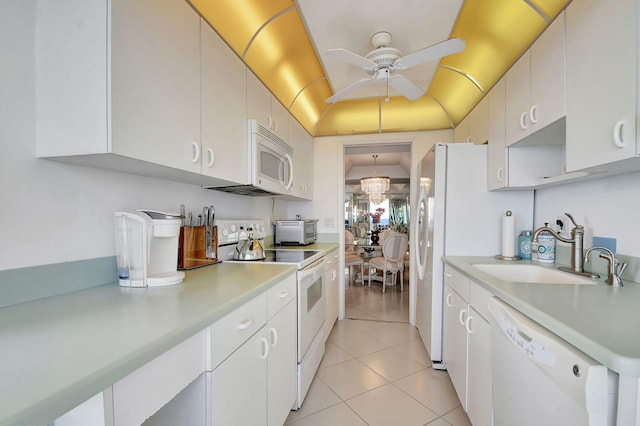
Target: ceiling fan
382, 63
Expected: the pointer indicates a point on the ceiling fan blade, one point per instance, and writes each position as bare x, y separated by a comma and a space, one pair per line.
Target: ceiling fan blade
436, 51
344, 92
352, 58
408, 89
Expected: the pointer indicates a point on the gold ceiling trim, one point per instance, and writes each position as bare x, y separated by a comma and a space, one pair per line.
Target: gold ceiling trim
273, 18
443, 109
540, 12
464, 74
311, 83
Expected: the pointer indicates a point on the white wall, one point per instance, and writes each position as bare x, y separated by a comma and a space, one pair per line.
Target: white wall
53, 212
606, 207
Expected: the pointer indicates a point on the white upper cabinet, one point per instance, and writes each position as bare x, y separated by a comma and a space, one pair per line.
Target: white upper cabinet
461, 132
131, 89
479, 122
265, 108
475, 126
535, 85
223, 109
601, 82
302, 144
497, 164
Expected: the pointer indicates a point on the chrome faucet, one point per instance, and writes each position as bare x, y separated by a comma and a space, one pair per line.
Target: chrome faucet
576, 241
616, 268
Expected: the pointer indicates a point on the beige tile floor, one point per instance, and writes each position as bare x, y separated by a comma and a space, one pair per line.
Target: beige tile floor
375, 370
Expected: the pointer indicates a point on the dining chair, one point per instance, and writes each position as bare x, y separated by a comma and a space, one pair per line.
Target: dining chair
392, 260
351, 258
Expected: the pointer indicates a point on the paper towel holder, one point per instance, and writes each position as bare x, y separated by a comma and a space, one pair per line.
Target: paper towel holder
509, 258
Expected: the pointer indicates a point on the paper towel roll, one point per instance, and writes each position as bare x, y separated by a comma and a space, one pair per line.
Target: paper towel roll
508, 235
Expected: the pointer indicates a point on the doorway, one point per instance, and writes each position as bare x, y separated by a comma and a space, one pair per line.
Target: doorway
366, 215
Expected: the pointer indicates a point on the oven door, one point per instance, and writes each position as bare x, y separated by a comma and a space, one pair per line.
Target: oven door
311, 304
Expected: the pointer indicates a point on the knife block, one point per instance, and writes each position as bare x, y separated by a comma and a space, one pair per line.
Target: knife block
197, 246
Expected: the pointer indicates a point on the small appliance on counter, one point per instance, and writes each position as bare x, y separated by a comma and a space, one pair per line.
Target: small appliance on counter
249, 248
299, 232
147, 248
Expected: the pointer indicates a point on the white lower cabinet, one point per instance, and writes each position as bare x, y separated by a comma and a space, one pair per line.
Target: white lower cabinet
239, 385
255, 384
479, 400
466, 345
332, 292
454, 351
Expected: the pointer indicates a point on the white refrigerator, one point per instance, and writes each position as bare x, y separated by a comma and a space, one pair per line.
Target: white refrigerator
456, 216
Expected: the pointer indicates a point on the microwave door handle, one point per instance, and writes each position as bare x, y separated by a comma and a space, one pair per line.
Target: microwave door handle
290, 182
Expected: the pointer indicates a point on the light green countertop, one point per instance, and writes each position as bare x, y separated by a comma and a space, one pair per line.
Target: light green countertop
59, 351
601, 321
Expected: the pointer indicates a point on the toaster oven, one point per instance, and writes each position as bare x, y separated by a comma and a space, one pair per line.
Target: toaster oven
296, 232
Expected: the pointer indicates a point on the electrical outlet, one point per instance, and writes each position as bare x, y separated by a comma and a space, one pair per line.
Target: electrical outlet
329, 221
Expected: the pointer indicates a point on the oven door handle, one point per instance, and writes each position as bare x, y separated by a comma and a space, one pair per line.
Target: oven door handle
309, 271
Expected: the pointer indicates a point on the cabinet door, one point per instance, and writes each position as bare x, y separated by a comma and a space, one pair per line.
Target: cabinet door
258, 101
302, 144
454, 351
224, 87
497, 165
282, 364
280, 117
479, 369
155, 82
239, 385
461, 132
601, 82
479, 122
548, 76
518, 91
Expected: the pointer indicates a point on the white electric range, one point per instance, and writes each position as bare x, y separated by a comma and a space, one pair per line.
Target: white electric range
310, 292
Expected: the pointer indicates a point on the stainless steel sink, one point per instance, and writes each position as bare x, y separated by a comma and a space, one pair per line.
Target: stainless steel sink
528, 273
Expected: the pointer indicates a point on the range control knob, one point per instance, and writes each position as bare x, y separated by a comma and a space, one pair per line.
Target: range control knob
232, 227
225, 232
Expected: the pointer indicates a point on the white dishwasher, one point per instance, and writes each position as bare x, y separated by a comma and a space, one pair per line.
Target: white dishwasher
539, 379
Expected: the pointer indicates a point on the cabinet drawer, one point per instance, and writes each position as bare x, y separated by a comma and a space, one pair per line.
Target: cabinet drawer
332, 258
457, 281
146, 390
479, 298
229, 332
279, 295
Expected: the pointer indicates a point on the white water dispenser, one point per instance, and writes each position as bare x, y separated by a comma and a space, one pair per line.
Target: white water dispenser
147, 248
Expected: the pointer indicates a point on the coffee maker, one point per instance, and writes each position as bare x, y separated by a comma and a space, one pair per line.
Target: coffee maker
147, 248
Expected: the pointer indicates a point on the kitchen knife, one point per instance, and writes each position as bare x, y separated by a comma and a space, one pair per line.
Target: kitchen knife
205, 216
212, 215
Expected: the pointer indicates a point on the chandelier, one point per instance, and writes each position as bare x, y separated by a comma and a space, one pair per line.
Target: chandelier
375, 186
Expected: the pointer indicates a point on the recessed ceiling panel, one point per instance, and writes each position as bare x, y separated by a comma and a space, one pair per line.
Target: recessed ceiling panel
413, 24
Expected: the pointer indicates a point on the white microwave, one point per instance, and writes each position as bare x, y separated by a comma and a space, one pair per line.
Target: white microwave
269, 164
271, 159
